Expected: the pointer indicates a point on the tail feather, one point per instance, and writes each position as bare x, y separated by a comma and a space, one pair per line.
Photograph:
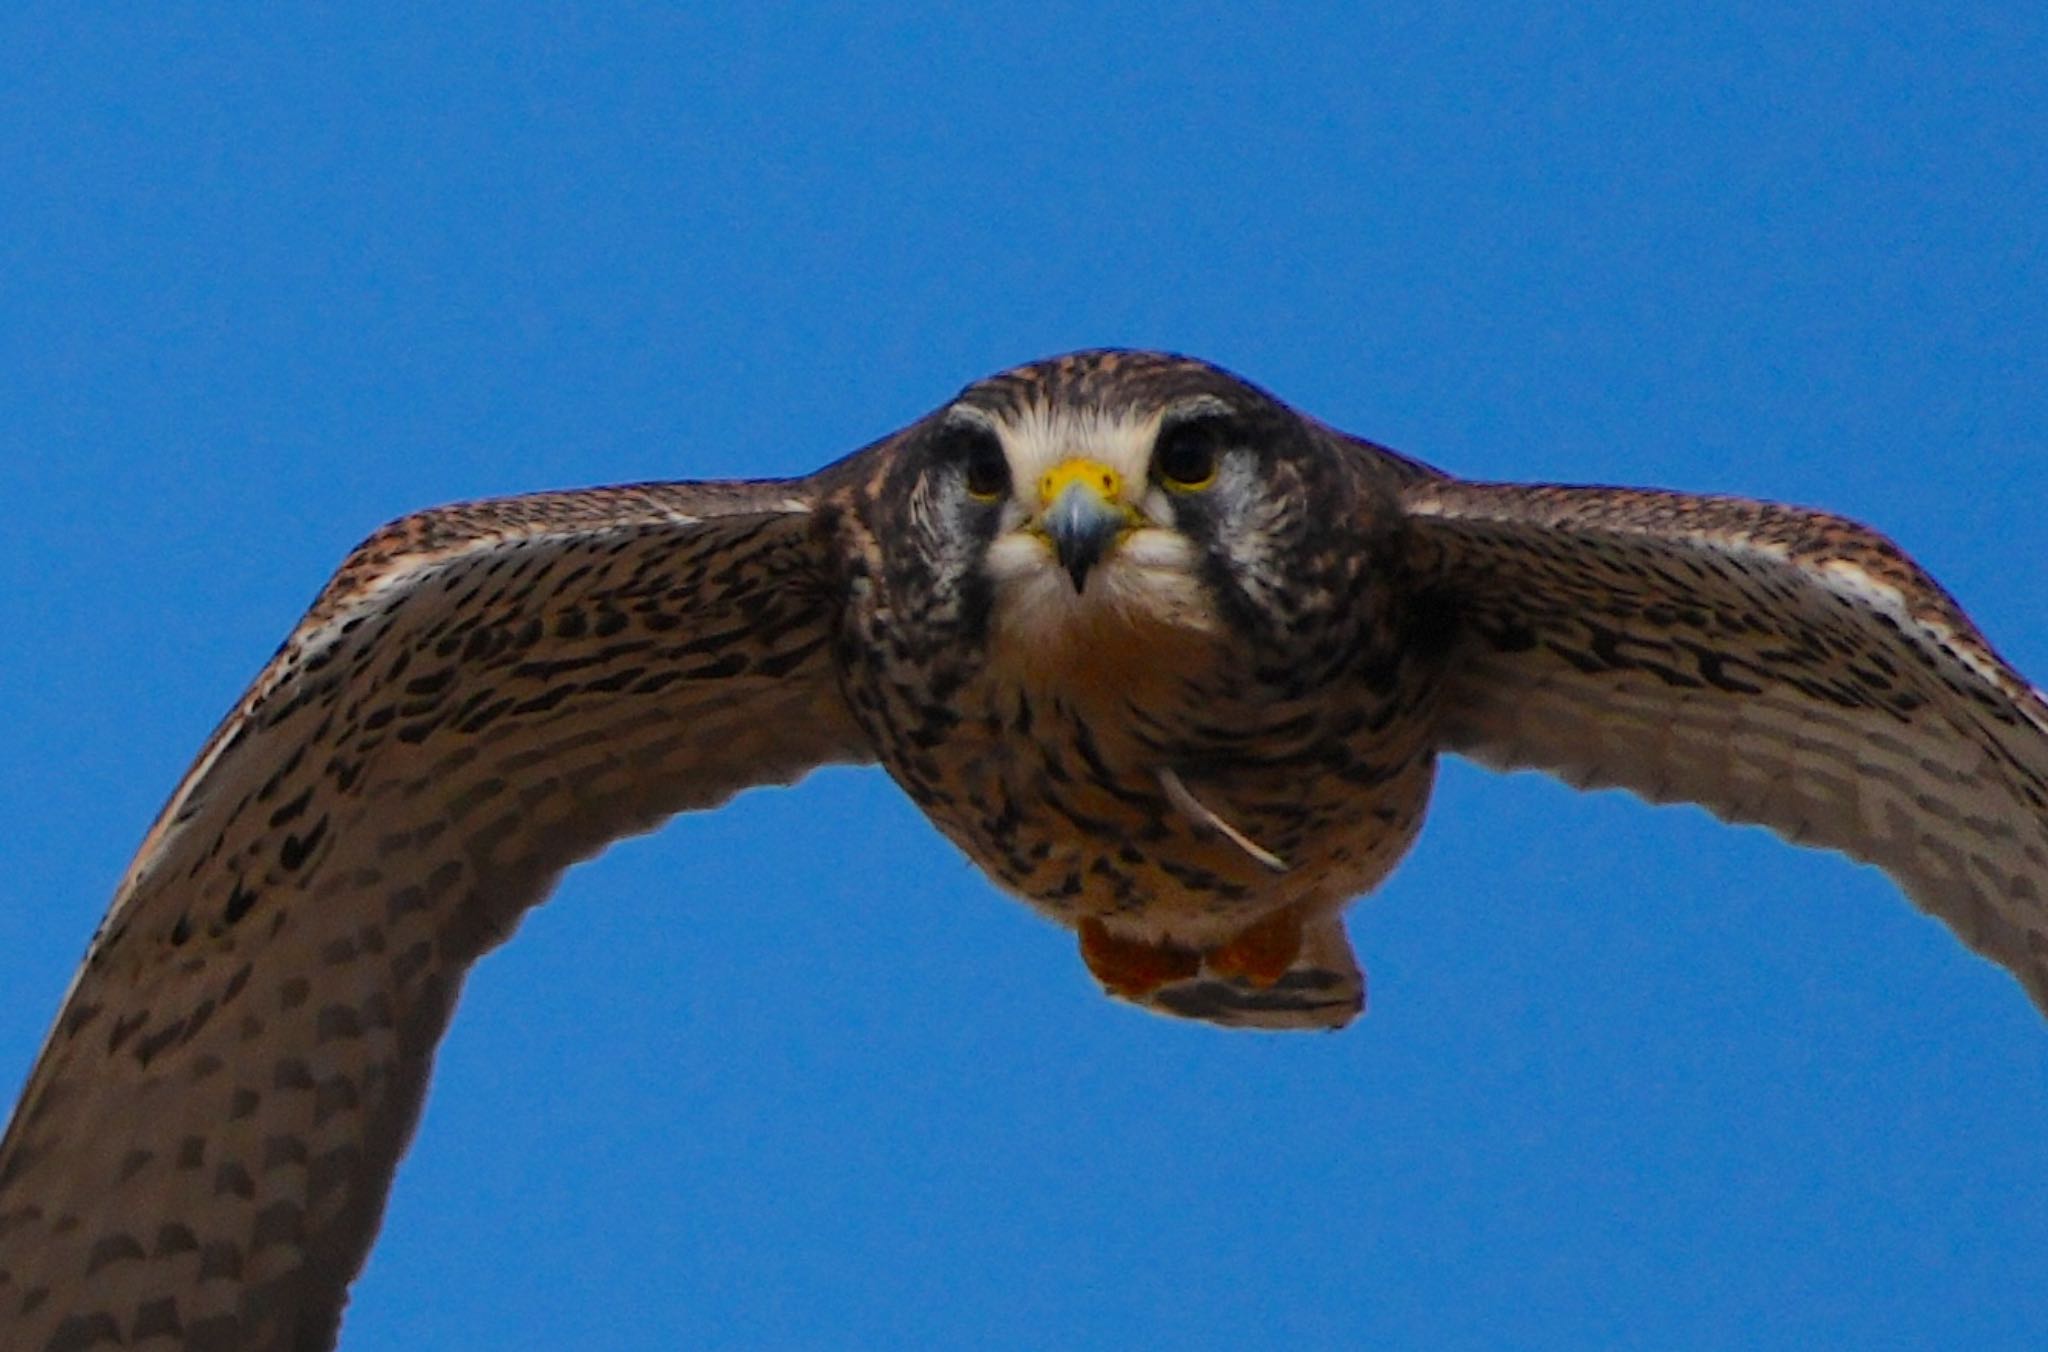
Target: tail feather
1323, 988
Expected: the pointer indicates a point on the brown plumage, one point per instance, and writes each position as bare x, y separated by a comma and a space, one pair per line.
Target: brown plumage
1167, 659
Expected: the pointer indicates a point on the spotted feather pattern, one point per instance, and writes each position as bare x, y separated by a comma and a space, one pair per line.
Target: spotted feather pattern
483, 695
1780, 667
486, 693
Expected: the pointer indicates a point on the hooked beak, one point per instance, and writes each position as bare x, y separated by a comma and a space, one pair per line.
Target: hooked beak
1081, 515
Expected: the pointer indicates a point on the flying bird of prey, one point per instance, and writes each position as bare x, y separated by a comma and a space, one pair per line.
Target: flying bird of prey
1169, 660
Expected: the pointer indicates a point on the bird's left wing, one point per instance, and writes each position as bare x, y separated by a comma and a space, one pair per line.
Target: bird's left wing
483, 695
1777, 666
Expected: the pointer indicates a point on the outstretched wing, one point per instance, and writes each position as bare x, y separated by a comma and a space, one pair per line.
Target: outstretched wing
483, 695
1777, 666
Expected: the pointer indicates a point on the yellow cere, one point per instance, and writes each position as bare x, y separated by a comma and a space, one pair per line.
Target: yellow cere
1092, 474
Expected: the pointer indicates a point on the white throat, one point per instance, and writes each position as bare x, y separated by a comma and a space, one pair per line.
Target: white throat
1146, 583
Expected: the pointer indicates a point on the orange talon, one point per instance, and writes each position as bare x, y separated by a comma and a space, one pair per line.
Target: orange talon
1130, 968
1262, 954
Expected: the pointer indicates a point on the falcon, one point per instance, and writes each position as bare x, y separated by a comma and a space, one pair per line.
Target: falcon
1171, 661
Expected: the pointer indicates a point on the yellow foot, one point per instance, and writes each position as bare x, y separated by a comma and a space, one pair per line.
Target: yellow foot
1133, 969
1262, 954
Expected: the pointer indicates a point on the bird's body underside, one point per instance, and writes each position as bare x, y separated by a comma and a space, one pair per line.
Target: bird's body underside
1167, 811
1119, 757
1167, 659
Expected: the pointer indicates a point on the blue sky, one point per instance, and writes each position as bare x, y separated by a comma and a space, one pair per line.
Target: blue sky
791, 1073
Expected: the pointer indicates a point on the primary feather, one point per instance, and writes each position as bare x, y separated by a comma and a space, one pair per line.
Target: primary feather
1195, 757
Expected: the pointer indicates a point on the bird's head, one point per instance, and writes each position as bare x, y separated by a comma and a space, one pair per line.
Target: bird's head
1119, 491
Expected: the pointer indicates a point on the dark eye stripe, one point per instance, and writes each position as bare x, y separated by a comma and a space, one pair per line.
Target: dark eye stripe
988, 470
984, 469
1186, 453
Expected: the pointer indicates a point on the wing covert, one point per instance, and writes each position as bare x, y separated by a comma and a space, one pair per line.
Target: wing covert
482, 695
1777, 666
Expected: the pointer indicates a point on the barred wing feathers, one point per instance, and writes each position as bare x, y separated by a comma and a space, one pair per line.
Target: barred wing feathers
483, 695
1778, 666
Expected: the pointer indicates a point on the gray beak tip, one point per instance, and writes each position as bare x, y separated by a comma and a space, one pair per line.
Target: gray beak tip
1082, 526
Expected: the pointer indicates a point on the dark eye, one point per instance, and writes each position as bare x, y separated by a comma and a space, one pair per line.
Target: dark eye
983, 466
1185, 455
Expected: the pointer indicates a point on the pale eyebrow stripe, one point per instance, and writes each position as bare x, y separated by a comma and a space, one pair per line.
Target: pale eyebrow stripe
1196, 406
974, 417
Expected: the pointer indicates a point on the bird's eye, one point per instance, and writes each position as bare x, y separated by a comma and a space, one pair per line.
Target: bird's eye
984, 467
1186, 453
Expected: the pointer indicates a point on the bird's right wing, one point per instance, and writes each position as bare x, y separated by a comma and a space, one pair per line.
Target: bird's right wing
483, 695
1777, 666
